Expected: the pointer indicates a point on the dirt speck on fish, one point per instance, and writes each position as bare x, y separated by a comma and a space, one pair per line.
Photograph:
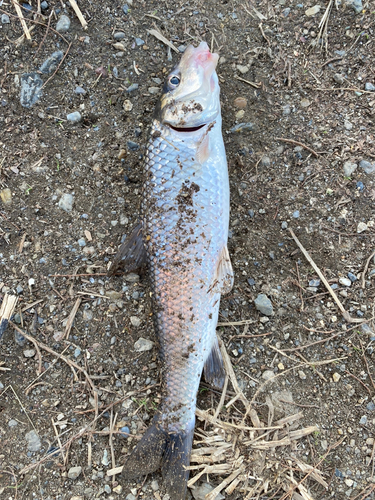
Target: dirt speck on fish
183, 238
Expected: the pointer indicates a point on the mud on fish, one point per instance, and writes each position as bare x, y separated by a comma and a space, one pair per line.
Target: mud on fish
182, 237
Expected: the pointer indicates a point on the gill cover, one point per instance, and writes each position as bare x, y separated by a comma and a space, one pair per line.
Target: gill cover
191, 92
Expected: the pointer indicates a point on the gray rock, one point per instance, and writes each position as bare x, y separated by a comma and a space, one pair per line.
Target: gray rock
204, 489
370, 406
265, 161
29, 353
345, 281
5, 19
51, 63
119, 35
63, 24
44, 5
296, 214
74, 117
139, 41
125, 8
66, 202
263, 304
79, 90
12, 423
268, 374
31, 85
143, 345
284, 225
286, 110
349, 168
368, 167
81, 242
339, 78
369, 86
33, 441
133, 146
87, 315
132, 87
130, 497
74, 472
363, 420
356, 5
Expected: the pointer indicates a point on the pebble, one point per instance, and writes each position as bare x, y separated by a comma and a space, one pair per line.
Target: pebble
107, 489
356, 5
51, 63
349, 168
125, 431
44, 5
133, 146
31, 92
128, 105
352, 277
74, 117
240, 102
315, 283
296, 214
370, 406
33, 441
154, 485
367, 166
63, 24
105, 460
369, 86
200, 492
268, 374
29, 353
153, 90
242, 127
242, 69
81, 242
77, 352
305, 103
284, 225
302, 375
139, 42
336, 377
79, 90
74, 472
119, 35
132, 278
348, 125
125, 9
265, 161
143, 345
363, 420
345, 281
286, 110
263, 304
340, 79
12, 423
6, 196
5, 19
66, 202
313, 10
132, 87
117, 489
362, 226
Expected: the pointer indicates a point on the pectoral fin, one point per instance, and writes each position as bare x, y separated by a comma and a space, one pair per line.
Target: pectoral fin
203, 151
214, 372
131, 254
223, 279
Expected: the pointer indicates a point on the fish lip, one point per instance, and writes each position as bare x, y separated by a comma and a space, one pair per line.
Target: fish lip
187, 129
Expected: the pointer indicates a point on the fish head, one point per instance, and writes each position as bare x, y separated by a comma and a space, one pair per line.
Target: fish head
190, 97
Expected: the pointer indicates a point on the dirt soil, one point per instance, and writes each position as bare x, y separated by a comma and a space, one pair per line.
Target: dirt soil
302, 356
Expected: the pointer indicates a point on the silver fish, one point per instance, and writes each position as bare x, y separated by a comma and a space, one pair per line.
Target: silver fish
183, 237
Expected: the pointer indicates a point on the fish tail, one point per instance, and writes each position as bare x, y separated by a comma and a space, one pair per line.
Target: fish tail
163, 449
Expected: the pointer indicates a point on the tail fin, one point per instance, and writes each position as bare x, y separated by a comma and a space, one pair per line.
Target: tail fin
168, 451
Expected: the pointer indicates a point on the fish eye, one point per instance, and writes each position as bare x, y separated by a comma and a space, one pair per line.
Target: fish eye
174, 81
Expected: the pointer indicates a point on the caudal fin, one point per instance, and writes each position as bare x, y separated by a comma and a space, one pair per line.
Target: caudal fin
165, 450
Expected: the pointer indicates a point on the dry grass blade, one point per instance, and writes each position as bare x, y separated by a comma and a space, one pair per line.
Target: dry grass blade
71, 317
231, 374
78, 13
162, 38
6, 310
22, 19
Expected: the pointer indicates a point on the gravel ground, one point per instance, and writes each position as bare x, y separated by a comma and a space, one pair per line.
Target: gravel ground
298, 125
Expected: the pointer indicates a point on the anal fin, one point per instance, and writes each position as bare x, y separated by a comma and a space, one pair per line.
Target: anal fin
223, 279
131, 255
214, 372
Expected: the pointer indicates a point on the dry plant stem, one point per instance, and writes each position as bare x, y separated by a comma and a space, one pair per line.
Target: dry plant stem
59, 441
6, 310
360, 381
22, 19
300, 287
110, 439
252, 84
222, 399
363, 280
71, 317
350, 89
162, 38
263, 34
78, 13
345, 313
54, 353
213, 494
297, 143
21, 405
334, 59
231, 374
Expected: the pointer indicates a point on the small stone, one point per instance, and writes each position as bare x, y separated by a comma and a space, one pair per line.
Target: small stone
296, 214
44, 5
356, 5
5, 19
349, 482
12, 423
315, 283
31, 89
6, 196
63, 24
336, 377
33, 441
362, 226
74, 472
265, 161
348, 125
240, 102
242, 127
139, 42
132, 278
302, 375
367, 167
66, 202
143, 345
284, 225
105, 460
370, 406
107, 489
153, 90
369, 86
280, 366
51, 63
133, 146
154, 485
117, 489
125, 9
268, 374
363, 420
74, 117
286, 110
339, 78
29, 353
242, 69
77, 352
352, 277
349, 168
133, 86
345, 281
313, 10
130, 497
305, 103
263, 304
128, 105
79, 90
119, 35
81, 242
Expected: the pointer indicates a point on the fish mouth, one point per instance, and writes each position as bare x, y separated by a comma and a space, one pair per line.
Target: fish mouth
187, 129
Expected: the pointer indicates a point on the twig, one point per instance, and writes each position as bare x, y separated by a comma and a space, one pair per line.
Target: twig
231, 374
360, 381
252, 84
22, 19
334, 59
263, 34
21, 405
71, 317
6, 310
45, 36
297, 143
345, 313
363, 278
59, 441
300, 287
162, 38
78, 13
350, 89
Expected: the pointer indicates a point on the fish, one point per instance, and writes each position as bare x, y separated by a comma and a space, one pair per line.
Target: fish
182, 237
